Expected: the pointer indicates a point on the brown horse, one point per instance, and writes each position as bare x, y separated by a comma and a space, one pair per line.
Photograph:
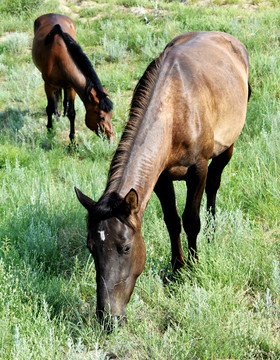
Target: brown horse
189, 107
64, 65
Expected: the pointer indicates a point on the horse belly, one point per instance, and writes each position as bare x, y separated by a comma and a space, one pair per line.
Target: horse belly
223, 140
178, 172
228, 129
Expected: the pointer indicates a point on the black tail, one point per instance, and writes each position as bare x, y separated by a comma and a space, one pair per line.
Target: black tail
83, 63
55, 30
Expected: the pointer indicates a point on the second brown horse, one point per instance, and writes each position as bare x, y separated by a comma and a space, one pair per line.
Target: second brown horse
64, 65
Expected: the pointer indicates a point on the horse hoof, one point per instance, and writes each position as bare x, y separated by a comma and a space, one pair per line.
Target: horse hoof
73, 146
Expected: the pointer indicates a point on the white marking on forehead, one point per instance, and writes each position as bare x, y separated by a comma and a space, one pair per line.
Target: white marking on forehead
102, 234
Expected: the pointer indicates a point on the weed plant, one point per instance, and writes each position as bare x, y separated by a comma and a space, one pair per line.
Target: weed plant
228, 305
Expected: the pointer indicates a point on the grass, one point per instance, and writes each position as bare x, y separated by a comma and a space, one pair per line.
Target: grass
228, 306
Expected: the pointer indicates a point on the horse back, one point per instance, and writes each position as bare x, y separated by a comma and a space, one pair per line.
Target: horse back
44, 24
214, 39
208, 72
48, 58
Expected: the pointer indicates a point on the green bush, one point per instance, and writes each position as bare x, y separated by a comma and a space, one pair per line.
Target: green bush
17, 7
11, 156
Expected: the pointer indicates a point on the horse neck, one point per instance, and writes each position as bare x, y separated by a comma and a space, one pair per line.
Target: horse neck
78, 82
147, 156
74, 77
71, 75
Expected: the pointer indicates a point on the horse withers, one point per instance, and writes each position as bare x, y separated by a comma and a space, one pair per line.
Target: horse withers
189, 107
64, 65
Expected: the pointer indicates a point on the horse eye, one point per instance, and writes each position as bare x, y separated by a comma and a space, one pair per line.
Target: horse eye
126, 249
101, 118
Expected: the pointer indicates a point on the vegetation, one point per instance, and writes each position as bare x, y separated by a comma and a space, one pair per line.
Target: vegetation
228, 306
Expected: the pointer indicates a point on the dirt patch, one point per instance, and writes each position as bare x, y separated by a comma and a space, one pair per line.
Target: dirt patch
241, 5
73, 8
4, 37
139, 11
66, 9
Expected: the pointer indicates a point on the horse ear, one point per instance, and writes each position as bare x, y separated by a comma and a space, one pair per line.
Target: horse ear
87, 202
131, 201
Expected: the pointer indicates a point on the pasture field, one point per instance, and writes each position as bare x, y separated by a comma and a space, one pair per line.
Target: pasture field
228, 306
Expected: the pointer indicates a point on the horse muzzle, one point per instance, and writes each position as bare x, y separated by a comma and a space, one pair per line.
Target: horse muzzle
110, 321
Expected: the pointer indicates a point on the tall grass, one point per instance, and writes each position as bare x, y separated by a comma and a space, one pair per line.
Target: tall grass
228, 305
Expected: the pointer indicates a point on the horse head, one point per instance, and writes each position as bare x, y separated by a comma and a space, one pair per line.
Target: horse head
99, 113
117, 246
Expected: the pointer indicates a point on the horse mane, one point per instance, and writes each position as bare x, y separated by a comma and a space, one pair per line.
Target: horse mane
85, 66
109, 205
140, 100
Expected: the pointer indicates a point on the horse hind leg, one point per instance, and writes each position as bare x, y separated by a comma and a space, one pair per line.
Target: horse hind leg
65, 102
214, 178
52, 105
196, 179
165, 192
58, 94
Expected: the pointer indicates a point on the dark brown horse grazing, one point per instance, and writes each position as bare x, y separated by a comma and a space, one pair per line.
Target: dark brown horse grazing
188, 107
63, 65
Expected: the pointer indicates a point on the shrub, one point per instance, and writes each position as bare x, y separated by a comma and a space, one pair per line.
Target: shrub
19, 6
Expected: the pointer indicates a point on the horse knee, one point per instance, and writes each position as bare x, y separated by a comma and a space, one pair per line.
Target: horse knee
192, 226
71, 113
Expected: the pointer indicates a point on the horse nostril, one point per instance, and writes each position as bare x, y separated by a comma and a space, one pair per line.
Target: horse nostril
101, 126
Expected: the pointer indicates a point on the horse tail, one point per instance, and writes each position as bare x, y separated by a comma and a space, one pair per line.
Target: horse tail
55, 30
84, 64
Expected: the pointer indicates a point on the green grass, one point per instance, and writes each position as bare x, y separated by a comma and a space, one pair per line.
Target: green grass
228, 306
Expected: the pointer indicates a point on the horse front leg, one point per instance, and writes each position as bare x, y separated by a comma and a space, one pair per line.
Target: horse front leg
69, 106
164, 190
196, 179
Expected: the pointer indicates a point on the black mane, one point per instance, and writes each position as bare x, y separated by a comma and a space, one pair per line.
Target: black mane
140, 100
85, 66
